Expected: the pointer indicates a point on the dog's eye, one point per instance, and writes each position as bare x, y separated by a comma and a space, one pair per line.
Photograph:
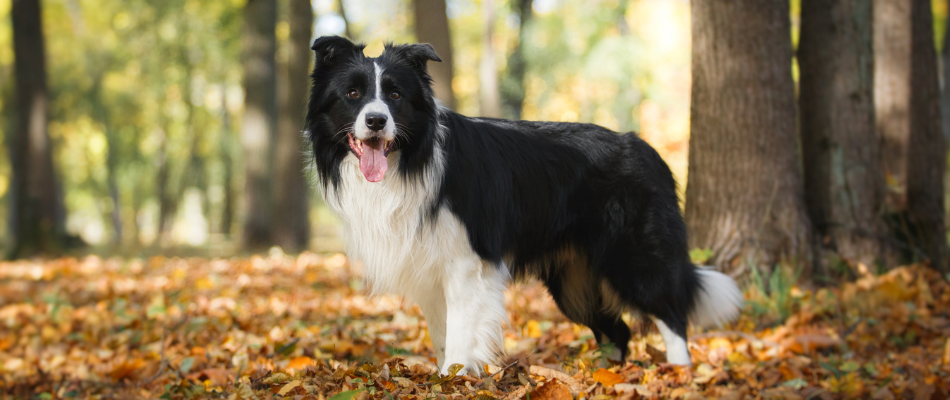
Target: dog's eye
353, 94
395, 96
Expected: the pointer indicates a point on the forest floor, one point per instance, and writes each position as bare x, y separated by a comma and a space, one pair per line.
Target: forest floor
277, 326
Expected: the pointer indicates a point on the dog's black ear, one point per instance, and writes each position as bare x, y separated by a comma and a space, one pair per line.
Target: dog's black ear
415, 54
330, 49
422, 52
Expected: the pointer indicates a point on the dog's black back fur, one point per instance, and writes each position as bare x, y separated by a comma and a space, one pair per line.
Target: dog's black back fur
527, 190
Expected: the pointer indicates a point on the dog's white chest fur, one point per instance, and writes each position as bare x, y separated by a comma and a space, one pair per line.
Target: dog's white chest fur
384, 229
403, 250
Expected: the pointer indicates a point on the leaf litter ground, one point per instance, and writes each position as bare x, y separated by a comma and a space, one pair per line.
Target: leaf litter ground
299, 327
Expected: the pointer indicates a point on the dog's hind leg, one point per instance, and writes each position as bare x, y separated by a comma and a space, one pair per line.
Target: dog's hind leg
579, 296
659, 284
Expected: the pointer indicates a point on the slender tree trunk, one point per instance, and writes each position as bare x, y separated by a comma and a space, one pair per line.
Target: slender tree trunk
37, 212
165, 202
432, 26
744, 197
892, 94
489, 103
347, 29
291, 222
513, 86
260, 119
844, 181
926, 152
227, 147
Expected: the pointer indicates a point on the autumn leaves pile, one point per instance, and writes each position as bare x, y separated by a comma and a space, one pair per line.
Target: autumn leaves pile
277, 326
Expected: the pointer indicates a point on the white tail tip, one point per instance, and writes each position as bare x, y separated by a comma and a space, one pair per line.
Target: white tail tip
718, 299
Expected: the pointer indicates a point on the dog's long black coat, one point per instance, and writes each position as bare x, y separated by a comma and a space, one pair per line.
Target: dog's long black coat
525, 189
592, 213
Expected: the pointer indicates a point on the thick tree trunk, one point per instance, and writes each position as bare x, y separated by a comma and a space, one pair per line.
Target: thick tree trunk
260, 119
489, 103
892, 94
926, 151
37, 213
744, 197
432, 26
945, 87
291, 224
844, 181
513, 89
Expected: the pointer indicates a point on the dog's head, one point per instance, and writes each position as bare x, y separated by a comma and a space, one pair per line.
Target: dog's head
370, 108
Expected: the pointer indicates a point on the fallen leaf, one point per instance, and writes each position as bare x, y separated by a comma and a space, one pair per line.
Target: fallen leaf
607, 378
288, 387
299, 363
550, 390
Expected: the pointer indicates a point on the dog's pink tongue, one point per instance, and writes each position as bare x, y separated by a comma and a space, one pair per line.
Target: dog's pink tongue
373, 162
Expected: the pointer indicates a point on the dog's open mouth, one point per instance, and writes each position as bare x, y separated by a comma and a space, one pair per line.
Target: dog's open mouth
372, 154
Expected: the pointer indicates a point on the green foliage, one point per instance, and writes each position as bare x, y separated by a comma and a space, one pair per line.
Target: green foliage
771, 293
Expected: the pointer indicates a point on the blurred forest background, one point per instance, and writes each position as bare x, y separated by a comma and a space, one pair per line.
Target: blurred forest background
174, 126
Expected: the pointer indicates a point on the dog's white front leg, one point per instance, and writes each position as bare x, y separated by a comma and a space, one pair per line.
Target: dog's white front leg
433, 307
474, 298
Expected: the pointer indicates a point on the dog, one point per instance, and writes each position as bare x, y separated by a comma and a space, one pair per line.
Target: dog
444, 210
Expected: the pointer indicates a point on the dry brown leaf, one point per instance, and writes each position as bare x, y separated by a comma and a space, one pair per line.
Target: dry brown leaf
288, 387
551, 390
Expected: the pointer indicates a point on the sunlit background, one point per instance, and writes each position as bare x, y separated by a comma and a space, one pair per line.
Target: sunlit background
146, 91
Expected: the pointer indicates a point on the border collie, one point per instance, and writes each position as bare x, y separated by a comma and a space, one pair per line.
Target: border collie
444, 209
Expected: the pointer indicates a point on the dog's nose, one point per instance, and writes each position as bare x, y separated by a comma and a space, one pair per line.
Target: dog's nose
376, 121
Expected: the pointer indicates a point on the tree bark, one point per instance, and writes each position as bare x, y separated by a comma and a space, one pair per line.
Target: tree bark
347, 28
892, 94
432, 26
513, 86
291, 222
844, 180
37, 212
744, 197
926, 151
260, 119
489, 103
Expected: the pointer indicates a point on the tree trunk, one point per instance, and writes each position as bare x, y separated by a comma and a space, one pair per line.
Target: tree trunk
844, 181
945, 87
513, 90
892, 94
37, 211
291, 224
432, 26
227, 148
260, 119
926, 151
347, 28
744, 197
489, 103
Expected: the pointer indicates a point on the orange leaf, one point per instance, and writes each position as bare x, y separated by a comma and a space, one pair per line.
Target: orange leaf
126, 369
607, 378
299, 363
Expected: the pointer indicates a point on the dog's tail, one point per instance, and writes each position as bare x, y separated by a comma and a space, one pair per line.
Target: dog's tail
717, 299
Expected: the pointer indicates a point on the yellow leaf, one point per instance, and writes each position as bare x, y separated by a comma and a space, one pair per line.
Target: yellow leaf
533, 329
288, 387
607, 378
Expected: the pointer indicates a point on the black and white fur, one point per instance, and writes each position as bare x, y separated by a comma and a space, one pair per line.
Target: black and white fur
468, 203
